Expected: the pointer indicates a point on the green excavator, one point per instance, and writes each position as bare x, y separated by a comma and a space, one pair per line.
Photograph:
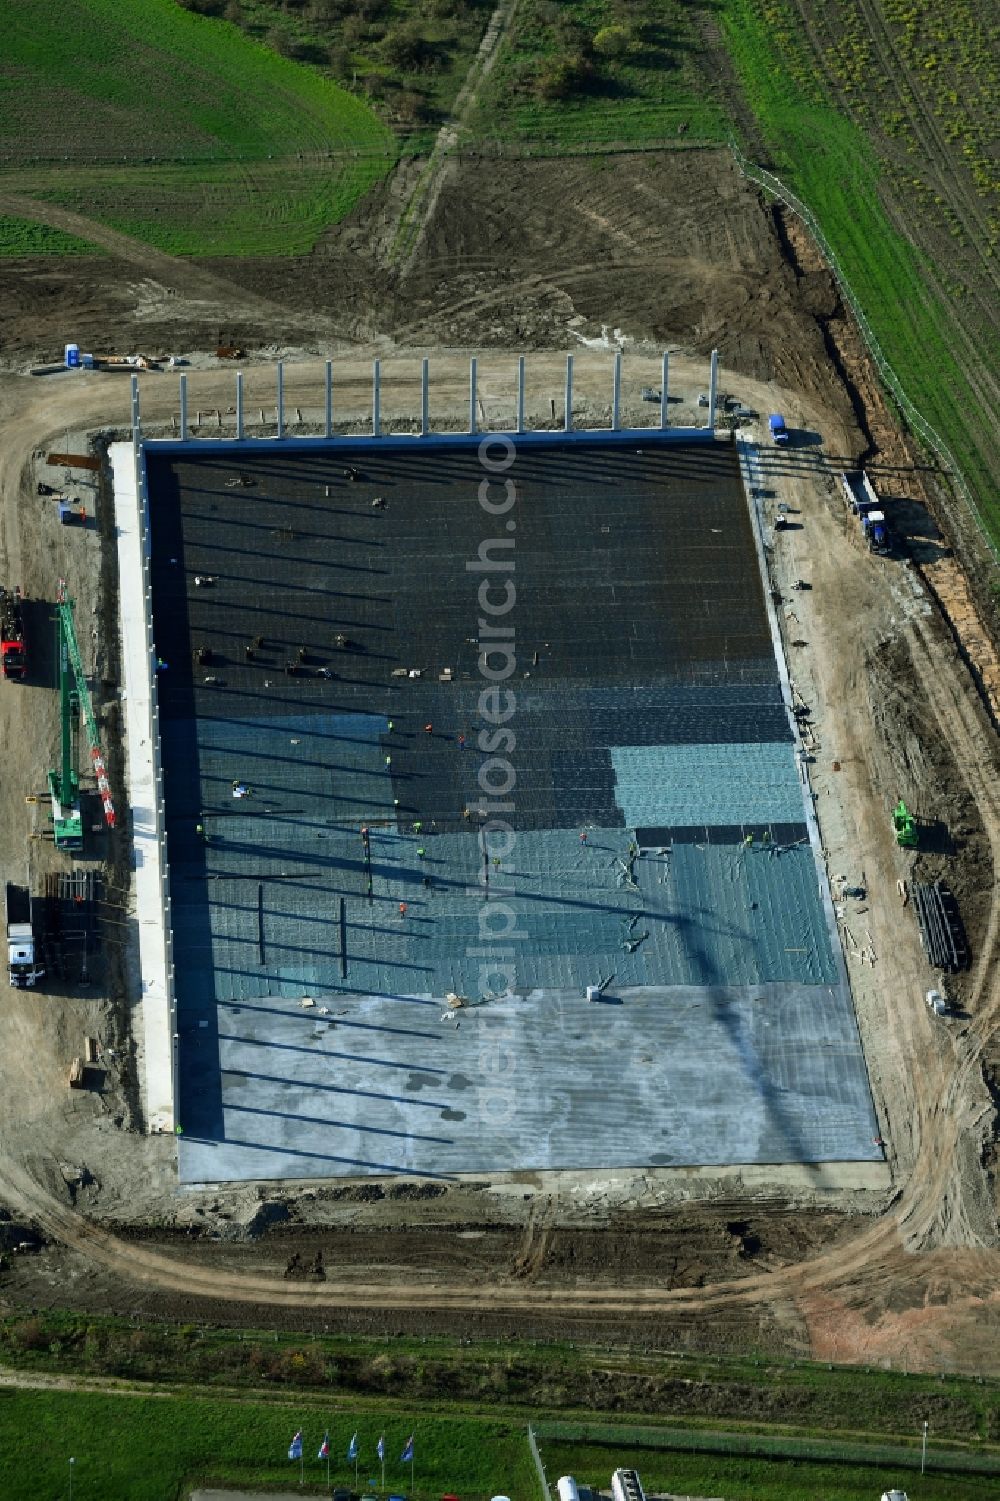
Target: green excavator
905, 826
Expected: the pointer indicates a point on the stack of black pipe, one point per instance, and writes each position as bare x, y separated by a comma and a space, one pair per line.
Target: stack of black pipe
941, 928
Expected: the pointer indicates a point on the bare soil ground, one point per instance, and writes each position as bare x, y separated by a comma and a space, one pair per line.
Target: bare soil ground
671, 251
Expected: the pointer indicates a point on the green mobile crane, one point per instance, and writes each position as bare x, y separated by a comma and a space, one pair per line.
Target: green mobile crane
74, 701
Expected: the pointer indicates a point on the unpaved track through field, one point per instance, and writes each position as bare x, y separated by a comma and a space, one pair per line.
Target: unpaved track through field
172, 269
424, 197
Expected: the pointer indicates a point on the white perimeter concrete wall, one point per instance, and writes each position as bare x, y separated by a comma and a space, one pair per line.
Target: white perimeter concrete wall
154, 1014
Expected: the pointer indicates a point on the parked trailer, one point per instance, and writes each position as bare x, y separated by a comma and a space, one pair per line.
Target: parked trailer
860, 496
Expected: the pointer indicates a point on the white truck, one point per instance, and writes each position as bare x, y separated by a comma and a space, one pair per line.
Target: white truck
22, 970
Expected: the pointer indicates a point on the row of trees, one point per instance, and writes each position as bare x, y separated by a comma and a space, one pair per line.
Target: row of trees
561, 53
574, 57
379, 46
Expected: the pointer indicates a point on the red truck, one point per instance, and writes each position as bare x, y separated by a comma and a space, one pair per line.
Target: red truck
13, 659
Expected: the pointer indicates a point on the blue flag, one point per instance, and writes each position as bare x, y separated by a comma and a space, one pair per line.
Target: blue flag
407, 1454
295, 1448
352, 1448
324, 1448
380, 1448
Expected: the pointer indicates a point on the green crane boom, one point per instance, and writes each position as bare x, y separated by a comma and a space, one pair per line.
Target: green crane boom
74, 701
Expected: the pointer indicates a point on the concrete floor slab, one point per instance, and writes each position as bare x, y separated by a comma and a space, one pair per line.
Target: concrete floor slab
647, 691
663, 1076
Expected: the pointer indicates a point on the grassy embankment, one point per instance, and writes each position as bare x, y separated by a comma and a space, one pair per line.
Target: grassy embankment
829, 160
773, 1392
178, 129
223, 1406
154, 1447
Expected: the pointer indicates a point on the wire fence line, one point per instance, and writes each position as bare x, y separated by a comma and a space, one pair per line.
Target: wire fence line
918, 423
764, 1446
539, 1466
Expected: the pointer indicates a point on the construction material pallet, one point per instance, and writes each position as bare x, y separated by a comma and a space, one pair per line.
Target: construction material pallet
70, 935
941, 930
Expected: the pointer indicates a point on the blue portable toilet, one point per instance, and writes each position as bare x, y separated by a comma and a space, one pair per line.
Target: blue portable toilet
65, 512
71, 355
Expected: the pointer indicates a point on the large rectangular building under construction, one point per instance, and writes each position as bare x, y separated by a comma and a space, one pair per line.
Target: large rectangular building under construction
449, 720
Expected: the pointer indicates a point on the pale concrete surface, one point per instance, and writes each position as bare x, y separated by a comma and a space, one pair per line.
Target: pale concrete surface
383, 1085
154, 1035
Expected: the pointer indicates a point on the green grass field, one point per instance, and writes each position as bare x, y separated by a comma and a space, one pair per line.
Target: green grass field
179, 128
650, 93
829, 161
23, 237
744, 1479
154, 1448
141, 78
253, 208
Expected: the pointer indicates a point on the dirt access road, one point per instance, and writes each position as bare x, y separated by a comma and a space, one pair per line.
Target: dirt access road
856, 1286
540, 257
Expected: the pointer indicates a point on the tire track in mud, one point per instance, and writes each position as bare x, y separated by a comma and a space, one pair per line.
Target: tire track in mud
555, 284
974, 752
